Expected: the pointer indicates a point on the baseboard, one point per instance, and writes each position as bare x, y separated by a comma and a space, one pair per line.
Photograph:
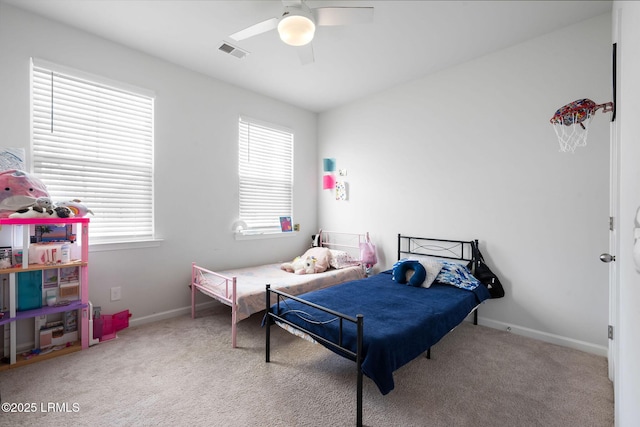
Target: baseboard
137, 321
545, 336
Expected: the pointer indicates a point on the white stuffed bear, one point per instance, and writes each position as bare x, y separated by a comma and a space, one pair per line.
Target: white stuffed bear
306, 265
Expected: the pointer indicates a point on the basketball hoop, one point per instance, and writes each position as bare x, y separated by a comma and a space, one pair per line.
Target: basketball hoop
569, 122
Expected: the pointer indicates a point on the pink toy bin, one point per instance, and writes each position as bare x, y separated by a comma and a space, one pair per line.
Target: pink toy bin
106, 327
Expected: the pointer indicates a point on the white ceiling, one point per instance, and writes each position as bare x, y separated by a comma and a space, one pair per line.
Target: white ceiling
407, 40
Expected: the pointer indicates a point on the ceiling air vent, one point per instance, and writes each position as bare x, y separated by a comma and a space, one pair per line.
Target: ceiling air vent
233, 50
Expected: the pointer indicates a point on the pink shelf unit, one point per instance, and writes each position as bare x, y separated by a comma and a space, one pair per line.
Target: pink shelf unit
82, 304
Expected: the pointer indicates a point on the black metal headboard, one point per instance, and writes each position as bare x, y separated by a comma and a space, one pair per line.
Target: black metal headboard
461, 250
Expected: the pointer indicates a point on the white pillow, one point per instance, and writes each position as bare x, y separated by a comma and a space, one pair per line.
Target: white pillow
341, 259
433, 268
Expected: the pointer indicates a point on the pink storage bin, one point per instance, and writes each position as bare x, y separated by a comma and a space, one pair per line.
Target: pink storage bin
106, 327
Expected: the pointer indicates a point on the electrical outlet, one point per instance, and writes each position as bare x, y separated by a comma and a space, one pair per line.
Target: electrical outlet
116, 293
342, 172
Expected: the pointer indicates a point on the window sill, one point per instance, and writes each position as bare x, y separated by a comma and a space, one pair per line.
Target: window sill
264, 235
118, 246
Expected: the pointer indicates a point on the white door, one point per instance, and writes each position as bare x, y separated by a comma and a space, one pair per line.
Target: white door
614, 204
613, 248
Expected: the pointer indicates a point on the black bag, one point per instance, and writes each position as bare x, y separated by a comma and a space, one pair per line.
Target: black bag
483, 273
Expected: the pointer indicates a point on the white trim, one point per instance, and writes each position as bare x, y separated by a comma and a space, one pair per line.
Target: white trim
268, 125
138, 321
545, 336
118, 246
264, 235
94, 78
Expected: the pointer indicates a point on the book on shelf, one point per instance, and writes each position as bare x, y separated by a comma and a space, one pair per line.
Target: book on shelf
70, 321
69, 274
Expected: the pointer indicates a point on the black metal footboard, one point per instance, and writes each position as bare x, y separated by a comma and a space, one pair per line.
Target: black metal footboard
271, 317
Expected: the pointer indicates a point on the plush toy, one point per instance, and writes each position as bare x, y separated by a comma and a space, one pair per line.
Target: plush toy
78, 209
19, 190
43, 203
38, 212
306, 265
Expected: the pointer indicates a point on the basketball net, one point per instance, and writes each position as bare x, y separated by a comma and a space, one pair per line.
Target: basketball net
569, 122
573, 135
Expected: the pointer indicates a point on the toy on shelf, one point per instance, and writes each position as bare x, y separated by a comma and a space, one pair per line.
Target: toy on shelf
75, 205
26, 196
21, 190
39, 212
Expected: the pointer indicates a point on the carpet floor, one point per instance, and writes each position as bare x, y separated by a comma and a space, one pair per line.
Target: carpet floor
183, 371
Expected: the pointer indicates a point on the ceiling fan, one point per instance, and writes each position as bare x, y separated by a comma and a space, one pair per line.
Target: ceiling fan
297, 24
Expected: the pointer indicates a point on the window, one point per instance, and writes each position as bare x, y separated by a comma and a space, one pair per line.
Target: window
93, 141
266, 174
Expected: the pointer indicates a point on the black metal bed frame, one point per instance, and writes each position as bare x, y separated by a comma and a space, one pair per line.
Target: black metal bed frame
460, 250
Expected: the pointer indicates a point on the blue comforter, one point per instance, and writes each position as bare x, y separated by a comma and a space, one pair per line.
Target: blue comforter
400, 322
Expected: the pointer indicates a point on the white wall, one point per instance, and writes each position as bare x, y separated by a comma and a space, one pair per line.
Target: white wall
627, 337
469, 153
195, 161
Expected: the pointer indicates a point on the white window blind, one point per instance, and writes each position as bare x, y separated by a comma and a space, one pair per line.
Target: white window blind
266, 174
93, 141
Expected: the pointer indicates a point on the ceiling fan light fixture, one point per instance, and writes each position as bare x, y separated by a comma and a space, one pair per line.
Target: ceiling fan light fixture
296, 28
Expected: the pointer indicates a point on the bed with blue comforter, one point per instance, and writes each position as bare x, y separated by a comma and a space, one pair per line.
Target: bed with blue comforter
400, 322
380, 323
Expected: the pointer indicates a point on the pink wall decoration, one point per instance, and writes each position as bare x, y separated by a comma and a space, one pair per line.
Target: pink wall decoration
328, 182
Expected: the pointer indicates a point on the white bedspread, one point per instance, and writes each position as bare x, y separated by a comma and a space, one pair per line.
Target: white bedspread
251, 282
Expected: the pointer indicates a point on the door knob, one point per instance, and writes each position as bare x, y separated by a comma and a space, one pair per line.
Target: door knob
607, 258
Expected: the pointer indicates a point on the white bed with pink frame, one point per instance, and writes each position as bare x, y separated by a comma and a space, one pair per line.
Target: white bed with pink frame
243, 289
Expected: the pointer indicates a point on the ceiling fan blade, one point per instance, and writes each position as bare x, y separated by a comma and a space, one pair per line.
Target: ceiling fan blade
305, 53
254, 30
343, 15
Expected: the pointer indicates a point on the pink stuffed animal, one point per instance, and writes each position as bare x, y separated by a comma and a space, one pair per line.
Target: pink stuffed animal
306, 265
19, 190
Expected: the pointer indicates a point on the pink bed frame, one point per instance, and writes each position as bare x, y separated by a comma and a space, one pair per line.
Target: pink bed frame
349, 242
